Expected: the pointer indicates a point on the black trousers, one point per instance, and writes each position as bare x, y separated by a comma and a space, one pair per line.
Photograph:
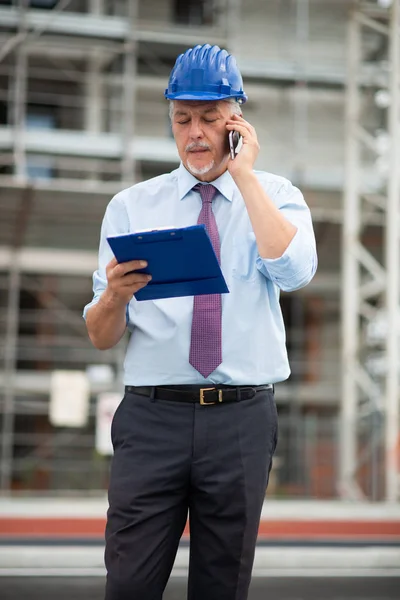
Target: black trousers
171, 459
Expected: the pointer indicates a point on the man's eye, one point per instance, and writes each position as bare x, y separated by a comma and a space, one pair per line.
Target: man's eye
210, 120
183, 122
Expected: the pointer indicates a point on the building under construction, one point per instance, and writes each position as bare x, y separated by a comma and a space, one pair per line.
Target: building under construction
83, 115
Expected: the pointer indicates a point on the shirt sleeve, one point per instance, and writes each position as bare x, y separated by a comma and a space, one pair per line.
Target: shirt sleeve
115, 221
298, 264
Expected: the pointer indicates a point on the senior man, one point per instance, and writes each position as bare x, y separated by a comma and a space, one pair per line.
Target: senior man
197, 428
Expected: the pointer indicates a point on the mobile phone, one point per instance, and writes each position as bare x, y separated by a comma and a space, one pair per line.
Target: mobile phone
235, 143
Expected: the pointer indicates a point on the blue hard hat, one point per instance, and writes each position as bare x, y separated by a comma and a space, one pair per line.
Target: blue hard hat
205, 73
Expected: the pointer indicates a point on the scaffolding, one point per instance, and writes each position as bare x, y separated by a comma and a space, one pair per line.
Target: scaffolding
107, 60
370, 282
93, 46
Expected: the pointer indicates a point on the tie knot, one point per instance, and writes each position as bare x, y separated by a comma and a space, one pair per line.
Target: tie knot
207, 191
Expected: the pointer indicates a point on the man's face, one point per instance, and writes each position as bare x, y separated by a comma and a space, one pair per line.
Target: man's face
201, 136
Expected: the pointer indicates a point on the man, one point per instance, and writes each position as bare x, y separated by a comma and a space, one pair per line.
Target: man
197, 428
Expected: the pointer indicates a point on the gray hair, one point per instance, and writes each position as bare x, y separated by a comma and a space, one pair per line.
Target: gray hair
236, 106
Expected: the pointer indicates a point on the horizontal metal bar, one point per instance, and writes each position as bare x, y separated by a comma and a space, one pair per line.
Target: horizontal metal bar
93, 145
109, 27
64, 185
40, 260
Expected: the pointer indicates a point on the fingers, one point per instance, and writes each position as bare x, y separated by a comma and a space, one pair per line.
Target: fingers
121, 269
248, 133
241, 125
133, 279
124, 279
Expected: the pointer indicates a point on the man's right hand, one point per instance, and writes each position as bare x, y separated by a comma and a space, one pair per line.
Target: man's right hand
123, 281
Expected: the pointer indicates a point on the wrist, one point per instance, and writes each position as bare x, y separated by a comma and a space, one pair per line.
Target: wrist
112, 301
244, 178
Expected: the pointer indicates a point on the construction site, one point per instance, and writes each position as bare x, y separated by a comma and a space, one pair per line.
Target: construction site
83, 116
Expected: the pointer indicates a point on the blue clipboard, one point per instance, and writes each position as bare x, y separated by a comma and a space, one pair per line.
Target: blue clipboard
181, 261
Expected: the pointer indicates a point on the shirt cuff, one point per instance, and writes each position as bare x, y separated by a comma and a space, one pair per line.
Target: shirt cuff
95, 301
295, 268
92, 303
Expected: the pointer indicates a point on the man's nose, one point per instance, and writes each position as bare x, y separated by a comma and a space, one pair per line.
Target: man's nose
196, 131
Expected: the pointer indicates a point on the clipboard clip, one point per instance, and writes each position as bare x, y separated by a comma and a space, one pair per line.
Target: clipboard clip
157, 236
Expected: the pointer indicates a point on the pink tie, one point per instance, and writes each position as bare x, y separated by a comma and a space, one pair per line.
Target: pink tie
205, 344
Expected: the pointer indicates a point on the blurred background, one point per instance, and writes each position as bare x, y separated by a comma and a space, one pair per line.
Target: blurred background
82, 115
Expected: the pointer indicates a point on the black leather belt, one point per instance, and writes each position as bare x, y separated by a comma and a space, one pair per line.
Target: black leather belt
196, 394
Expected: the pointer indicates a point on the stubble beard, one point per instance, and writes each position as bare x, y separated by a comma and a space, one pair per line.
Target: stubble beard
200, 170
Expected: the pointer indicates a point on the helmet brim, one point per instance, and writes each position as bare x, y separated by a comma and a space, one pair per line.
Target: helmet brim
204, 96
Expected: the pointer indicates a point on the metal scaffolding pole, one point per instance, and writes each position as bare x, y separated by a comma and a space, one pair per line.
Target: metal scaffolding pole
94, 105
94, 99
11, 342
350, 273
393, 265
370, 289
301, 125
20, 96
10, 365
96, 7
129, 95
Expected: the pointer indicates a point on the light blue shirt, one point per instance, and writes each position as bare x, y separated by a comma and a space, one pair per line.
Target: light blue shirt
253, 334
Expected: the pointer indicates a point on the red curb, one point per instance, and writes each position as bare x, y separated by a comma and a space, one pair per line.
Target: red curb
57, 527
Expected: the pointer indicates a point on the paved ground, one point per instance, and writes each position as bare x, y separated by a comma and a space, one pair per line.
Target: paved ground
85, 588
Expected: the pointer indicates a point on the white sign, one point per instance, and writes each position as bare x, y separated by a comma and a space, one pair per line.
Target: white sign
107, 404
69, 399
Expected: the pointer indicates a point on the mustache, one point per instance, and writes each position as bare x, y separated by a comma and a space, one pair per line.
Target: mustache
197, 146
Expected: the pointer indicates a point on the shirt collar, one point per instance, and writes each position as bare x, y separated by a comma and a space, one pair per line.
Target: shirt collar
186, 181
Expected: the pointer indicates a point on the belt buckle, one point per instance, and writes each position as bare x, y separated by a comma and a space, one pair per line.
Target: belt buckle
202, 400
